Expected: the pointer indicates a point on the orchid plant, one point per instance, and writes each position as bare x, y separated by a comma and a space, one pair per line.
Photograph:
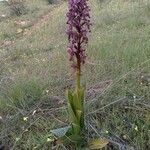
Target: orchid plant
77, 31
78, 27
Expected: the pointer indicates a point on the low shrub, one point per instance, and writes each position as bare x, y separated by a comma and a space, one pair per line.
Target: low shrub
50, 1
17, 7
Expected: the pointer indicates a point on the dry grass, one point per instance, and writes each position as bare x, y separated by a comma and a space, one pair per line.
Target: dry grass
117, 95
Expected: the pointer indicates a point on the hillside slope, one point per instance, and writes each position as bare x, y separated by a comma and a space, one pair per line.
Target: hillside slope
34, 73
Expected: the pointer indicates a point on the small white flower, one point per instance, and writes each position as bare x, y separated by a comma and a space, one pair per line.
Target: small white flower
26, 130
47, 91
124, 137
35, 147
106, 131
49, 140
136, 128
25, 118
17, 139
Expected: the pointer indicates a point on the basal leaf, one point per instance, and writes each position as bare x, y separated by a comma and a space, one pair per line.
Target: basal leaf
60, 132
76, 128
75, 138
79, 115
77, 102
82, 91
72, 115
69, 95
98, 144
70, 100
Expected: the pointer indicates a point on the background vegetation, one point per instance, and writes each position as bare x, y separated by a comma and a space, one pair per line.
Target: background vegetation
34, 73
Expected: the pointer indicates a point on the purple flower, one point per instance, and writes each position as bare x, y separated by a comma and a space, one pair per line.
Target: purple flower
78, 28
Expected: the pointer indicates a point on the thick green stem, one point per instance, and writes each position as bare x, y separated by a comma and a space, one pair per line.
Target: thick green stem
78, 80
78, 90
78, 72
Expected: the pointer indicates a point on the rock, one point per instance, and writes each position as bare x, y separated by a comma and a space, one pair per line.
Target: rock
1, 147
3, 16
22, 23
7, 43
19, 30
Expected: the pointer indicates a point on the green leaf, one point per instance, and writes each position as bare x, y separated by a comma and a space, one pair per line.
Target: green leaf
72, 115
81, 92
76, 109
98, 143
69, 95
76, 128
79, 115
60, 132
75, 138
70, 103
77, 102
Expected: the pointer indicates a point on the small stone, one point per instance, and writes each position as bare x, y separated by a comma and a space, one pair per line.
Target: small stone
3, 16
124, 137
19, 30
2, 147
33, 112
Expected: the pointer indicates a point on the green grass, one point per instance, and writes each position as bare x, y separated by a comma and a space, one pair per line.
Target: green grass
22, 95
34, 74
